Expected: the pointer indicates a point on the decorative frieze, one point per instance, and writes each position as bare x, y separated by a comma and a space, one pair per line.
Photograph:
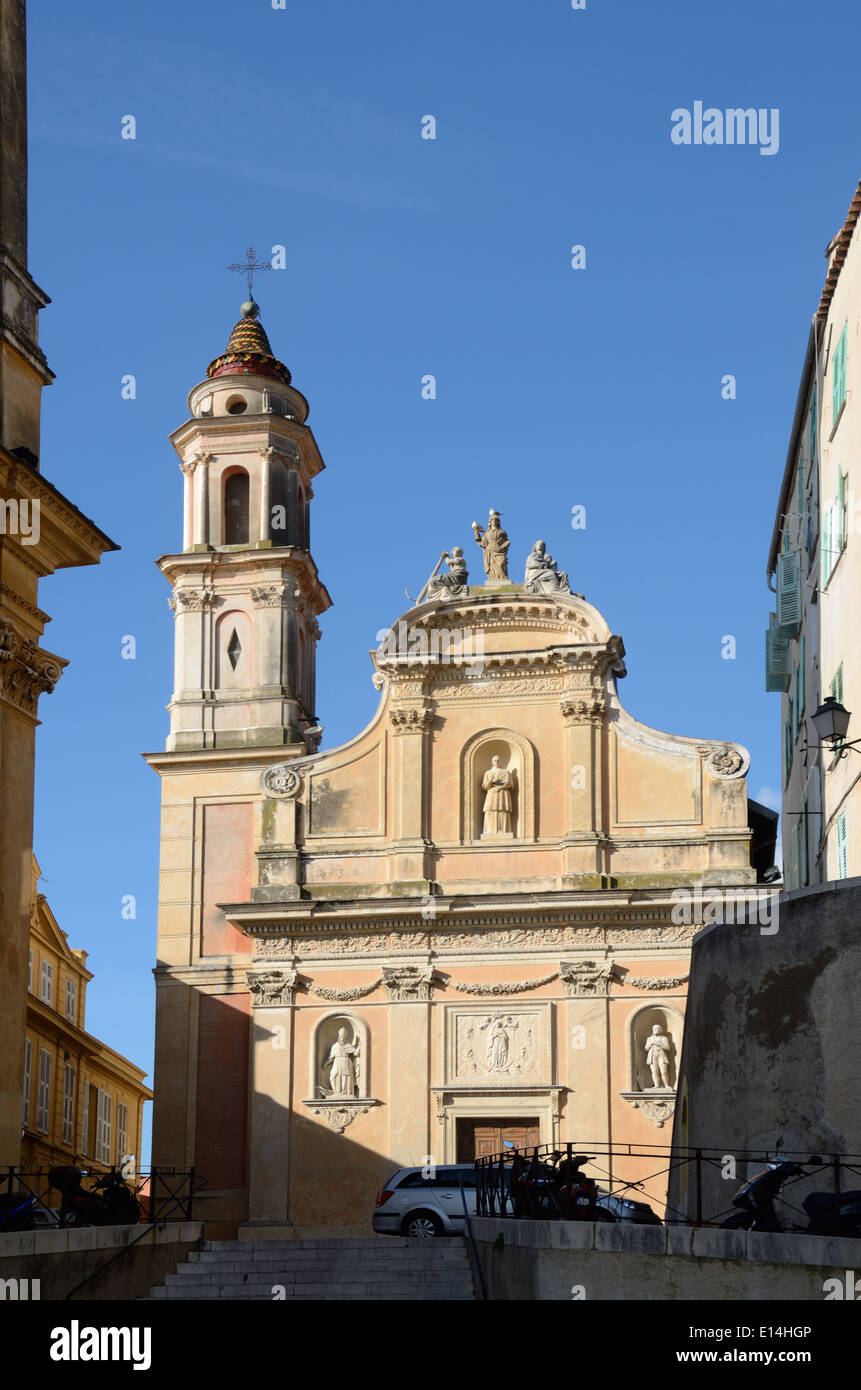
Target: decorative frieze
660, 982
504, 987
340, 996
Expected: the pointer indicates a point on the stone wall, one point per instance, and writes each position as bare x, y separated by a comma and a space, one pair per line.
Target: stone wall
105, 1257
772, 1040
539, 1260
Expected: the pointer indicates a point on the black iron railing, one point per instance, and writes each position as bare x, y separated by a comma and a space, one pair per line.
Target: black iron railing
164, 1194
694, 1186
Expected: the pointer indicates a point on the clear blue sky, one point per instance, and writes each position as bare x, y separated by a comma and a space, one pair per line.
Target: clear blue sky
556, 387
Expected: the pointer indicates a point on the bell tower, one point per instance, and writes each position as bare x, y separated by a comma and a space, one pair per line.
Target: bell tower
246, 593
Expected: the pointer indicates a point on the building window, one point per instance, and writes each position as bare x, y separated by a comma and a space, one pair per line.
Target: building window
71, 999
47, 989
69, 1105
103, 1127
30, 973
86, 1147
236, 509
842, 847
838, 378
28, 1067
43, 1104
122, 1132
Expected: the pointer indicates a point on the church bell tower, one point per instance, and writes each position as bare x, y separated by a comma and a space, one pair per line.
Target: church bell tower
246, 593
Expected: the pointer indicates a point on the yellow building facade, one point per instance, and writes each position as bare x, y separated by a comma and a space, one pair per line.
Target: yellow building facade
465, 925
82, 1101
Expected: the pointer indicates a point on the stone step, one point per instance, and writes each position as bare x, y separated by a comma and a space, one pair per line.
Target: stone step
421, 1279
316, 1293
412, 1261
350, 1243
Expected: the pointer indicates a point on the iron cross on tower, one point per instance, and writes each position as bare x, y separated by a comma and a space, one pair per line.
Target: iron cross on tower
248, 266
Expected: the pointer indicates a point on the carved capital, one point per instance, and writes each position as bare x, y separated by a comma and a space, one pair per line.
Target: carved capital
410, 721
587, 978
269, 595
411, 984
272, 989
26, 669
193, 600
591, 710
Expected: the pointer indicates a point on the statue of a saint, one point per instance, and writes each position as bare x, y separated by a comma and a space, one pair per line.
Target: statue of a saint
494, 542
542, 575
342, 1074
453, 584
658, 1058
498, 784
498, 1045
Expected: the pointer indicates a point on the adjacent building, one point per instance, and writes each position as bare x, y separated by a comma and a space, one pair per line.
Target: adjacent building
471, 922
83, 1102
40, 531
814, 567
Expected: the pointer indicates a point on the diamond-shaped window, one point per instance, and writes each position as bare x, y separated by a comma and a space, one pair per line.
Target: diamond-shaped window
234, 649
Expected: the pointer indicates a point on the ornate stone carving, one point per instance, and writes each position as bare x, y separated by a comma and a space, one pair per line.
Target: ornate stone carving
587, 711
657, 1049
451, 585
272, 989
661, 982
588, 978
338, 1114
408, 983
269, 595
410, 721
340, 996
658, 1106
505, 987
282, 782
194, 600
727, 761
542, 574
287, 449
497, 1048
499, 785
26, 669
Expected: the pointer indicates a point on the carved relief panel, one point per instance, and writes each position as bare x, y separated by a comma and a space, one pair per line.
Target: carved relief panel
499, 1046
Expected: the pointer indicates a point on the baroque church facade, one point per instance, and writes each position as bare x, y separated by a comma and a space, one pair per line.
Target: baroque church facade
457, 928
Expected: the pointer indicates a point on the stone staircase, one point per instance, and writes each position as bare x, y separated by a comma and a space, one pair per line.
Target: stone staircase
369, 1268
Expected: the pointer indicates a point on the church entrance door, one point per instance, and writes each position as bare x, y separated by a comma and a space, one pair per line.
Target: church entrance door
480, 1138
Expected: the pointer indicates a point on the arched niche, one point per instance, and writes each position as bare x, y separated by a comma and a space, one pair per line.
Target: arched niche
517, 755
670, 1020
325, 1036
233, 664
235, 509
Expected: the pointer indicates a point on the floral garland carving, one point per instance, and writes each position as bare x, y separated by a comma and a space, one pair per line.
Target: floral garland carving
507, 987
342, 995
656, 981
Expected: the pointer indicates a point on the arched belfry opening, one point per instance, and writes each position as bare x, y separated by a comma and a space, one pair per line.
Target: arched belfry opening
236, 508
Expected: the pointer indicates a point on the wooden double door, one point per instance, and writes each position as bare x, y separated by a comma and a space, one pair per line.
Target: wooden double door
480, 1138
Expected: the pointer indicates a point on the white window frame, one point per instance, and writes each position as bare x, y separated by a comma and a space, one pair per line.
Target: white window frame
43, 1099
30, 974
69, 1104
103, 1126
71, 1000
122, 1132
85, 1137
46, 991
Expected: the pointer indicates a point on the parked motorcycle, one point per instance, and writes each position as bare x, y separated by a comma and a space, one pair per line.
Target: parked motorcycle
829, 1213
16, 1212
109, 1202
555, 1187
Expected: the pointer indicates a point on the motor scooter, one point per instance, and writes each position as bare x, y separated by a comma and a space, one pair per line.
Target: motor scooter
828, 1213
109, 1202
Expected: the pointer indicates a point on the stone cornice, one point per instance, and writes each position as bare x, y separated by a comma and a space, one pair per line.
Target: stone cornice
213, 570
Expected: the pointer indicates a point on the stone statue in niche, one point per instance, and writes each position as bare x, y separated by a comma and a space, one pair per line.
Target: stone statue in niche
542, 575
658, 1058
451, 585
494, 542
498, 784
343, 1066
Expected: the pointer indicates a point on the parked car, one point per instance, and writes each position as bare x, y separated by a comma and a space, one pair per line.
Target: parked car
412, 1204
625, 1210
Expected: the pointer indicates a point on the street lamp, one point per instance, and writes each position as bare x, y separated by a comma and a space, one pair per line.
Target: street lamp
831, 722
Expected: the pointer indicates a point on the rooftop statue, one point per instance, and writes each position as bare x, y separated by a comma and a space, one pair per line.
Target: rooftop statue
494, 542
542, 575
451, 585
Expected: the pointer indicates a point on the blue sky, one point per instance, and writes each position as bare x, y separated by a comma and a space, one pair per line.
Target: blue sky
598, 387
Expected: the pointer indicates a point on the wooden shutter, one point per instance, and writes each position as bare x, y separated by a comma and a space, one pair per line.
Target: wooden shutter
28, 1069
842, 847
69, 1105
827, 559
789, 592
43, 1100
802, 692
85, 1136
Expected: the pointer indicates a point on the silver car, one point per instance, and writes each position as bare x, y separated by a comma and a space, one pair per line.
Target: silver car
426, 1202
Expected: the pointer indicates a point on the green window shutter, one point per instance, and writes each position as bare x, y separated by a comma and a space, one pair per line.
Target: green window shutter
802, 692
842, 847
789, 592
795, 693
813, 427
799, 505
837, 684
776, 657
804, 863
827, 559
838, 377
840, 538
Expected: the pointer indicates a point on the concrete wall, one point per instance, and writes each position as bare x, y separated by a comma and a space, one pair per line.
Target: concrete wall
772, 1038
119, 1270
541, 1260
